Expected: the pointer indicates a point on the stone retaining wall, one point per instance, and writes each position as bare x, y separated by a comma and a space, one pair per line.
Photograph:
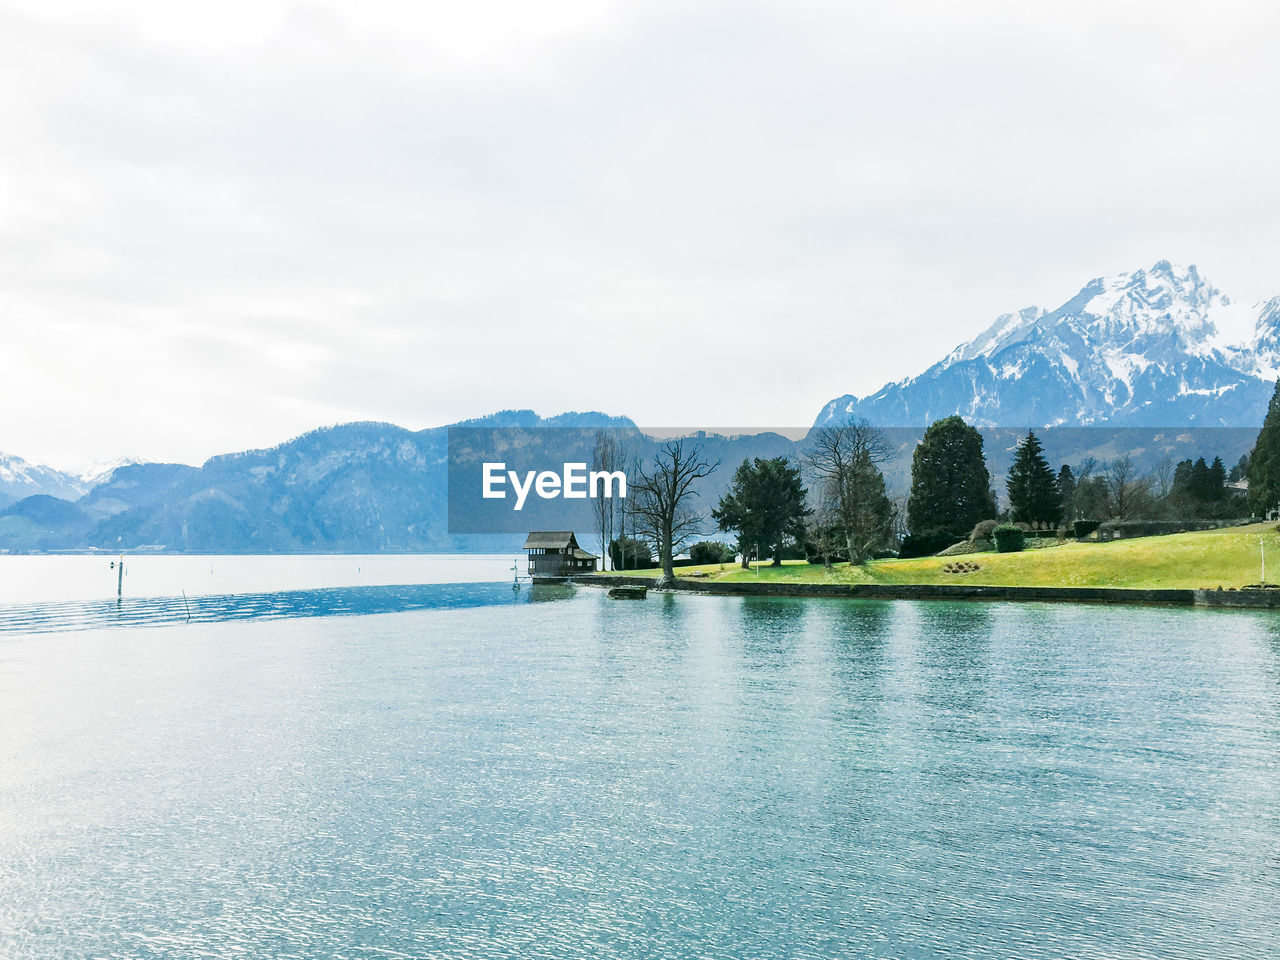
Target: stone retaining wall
1266, 599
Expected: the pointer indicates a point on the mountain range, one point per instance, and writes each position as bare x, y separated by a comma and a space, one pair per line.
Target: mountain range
1158, 347
1136, 354
352, 488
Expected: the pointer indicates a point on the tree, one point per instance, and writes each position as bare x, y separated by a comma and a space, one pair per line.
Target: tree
1201, 483
630, 553
1264, 461
608, 456
627, 553
1067, 492
765, 505
950, 484
850, 487
825, 533
1128, 494
1092, 501
1033, 489
1216, 484
1200, 490
661, 503
711, 551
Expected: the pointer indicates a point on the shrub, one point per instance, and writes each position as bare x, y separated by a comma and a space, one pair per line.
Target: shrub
711, 551
1083, 528
1009, 538
925, 543
626, 553
982, 530
791, 551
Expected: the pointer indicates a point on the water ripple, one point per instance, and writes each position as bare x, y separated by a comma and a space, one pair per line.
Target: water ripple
328, 602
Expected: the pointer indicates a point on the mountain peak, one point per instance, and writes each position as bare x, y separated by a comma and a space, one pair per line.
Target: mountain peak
1153, 346
1180, 291
20, 478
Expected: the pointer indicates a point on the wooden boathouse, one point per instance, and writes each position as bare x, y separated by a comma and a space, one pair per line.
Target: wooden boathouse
555, 553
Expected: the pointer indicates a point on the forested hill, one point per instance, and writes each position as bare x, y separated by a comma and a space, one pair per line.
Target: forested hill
353, 488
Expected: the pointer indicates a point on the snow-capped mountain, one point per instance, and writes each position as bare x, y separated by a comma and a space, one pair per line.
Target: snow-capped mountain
20, 478
101, 471
1158, 347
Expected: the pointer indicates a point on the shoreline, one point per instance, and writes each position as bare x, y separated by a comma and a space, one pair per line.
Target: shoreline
1176, 597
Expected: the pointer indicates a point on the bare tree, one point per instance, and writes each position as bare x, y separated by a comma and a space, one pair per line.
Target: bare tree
625, 518
898, 529
845, 462
660, 498
607, 455
1086, 469
1126, 490
826, 532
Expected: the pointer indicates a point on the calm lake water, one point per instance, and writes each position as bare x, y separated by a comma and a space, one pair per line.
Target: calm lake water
351, 769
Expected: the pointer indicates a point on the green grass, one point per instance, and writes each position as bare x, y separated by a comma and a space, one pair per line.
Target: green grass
1211, 558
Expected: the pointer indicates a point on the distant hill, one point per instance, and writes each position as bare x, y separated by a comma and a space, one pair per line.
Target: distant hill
358, 487
353, 488
42, 522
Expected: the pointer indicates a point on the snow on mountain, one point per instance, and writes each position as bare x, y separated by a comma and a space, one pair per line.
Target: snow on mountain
19, 479
1158, 347
101, 471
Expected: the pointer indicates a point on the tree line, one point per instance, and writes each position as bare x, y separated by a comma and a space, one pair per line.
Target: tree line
833, 504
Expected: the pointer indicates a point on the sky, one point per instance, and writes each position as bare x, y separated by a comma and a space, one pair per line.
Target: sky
222, 225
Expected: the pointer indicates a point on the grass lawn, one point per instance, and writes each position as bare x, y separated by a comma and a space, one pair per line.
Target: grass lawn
1212, 558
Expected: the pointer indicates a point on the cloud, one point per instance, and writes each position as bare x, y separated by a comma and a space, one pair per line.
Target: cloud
220, 227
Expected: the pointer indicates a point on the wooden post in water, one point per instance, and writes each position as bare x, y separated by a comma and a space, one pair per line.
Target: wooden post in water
120, 579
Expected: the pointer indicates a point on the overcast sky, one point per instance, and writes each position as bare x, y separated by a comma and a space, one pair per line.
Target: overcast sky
221, 226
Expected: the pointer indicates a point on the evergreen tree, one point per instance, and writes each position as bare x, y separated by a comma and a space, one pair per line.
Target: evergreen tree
1201, 485
765, 505
1264, 462
950, 484
1067, 492
1216, 489
1033, 490
1182, 480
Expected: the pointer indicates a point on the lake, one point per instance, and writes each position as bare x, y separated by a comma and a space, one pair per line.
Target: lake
322, 762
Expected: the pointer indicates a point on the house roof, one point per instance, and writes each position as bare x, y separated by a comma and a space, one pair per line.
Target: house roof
580, 554
551, 540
